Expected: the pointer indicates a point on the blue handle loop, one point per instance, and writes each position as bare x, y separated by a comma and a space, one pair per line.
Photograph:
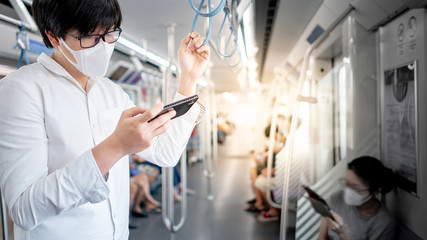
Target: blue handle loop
232, 33
23, 51
209, 13
210, 20
233, 64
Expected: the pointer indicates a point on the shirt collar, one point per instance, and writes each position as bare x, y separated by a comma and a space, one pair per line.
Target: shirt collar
52, 65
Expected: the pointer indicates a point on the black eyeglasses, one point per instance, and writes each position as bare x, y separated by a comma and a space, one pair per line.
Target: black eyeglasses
89, 41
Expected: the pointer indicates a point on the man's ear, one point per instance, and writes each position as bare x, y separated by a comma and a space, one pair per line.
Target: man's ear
54, 40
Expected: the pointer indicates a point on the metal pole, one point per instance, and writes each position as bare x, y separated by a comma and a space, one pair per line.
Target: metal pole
271, 144
24, 15
4, 218
294, 122
168, 213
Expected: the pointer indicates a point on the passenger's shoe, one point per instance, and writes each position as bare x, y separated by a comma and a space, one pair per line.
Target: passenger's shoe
265, 217
132, 227
137, 214
251, 201
252, 208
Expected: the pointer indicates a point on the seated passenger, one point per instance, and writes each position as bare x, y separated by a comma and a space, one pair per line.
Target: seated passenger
142, 193
357, 211
260, 165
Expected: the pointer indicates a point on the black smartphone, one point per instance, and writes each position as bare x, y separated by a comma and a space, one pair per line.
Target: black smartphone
318, 203
180, 107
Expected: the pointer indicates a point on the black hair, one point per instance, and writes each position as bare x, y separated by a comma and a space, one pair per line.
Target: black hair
58, 16
268, 129
374, 173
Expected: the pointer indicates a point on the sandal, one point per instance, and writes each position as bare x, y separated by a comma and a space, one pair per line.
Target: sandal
252, 208
251, 201
154, 210
265, 217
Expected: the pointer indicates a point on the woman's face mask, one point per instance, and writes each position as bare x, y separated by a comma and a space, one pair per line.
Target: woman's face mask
353, 198
92, 62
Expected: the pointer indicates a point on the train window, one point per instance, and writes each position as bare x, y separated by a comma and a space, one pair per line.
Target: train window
331, 128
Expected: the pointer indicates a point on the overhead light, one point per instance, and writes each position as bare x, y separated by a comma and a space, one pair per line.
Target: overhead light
138, 49
309, 73
157, 59
248, 22
243, 54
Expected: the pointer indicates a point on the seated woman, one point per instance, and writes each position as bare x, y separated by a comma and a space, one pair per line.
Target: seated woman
142, 180
357, 212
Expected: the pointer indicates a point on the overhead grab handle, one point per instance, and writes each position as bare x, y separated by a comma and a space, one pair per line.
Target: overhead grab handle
233, 33
209, 14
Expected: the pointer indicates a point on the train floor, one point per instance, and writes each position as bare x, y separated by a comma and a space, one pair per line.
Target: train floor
222, 218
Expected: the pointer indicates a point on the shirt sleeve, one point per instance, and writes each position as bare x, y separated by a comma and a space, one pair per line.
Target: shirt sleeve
168, 147
32, 194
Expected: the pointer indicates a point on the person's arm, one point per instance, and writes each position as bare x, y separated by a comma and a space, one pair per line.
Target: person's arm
167, 148
193, 59
323, 231
133, 134
31, 192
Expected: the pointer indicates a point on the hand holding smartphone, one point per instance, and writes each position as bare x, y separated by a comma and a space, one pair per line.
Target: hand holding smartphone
180, 107
318, 203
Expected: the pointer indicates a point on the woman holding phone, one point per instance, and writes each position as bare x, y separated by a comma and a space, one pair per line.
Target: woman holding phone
357, 212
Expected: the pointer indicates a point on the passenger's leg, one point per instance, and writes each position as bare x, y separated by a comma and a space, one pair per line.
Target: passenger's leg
133, 190
144, 185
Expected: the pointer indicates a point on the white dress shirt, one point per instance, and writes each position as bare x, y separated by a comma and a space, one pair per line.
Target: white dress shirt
48, 176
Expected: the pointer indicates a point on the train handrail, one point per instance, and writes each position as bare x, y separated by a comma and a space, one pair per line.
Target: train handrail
209, 14
167, 197
282, 78
295, 114
167, 173
271, 144
4, 218
210, 159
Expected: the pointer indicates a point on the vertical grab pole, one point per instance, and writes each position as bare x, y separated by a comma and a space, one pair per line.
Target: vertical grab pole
295, 114
168, 216
210, 159
4, 218
214, 131
271, 144
211, 141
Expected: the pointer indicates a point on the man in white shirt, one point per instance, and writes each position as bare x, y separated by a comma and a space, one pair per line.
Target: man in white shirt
66, 131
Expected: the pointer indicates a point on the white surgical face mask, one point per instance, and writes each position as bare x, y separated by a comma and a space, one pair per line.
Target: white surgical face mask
92, 62
353, 198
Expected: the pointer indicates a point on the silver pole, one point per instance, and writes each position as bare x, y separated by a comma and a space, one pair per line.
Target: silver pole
271, 144
24, 15
4, 218
294, 122
168, 213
